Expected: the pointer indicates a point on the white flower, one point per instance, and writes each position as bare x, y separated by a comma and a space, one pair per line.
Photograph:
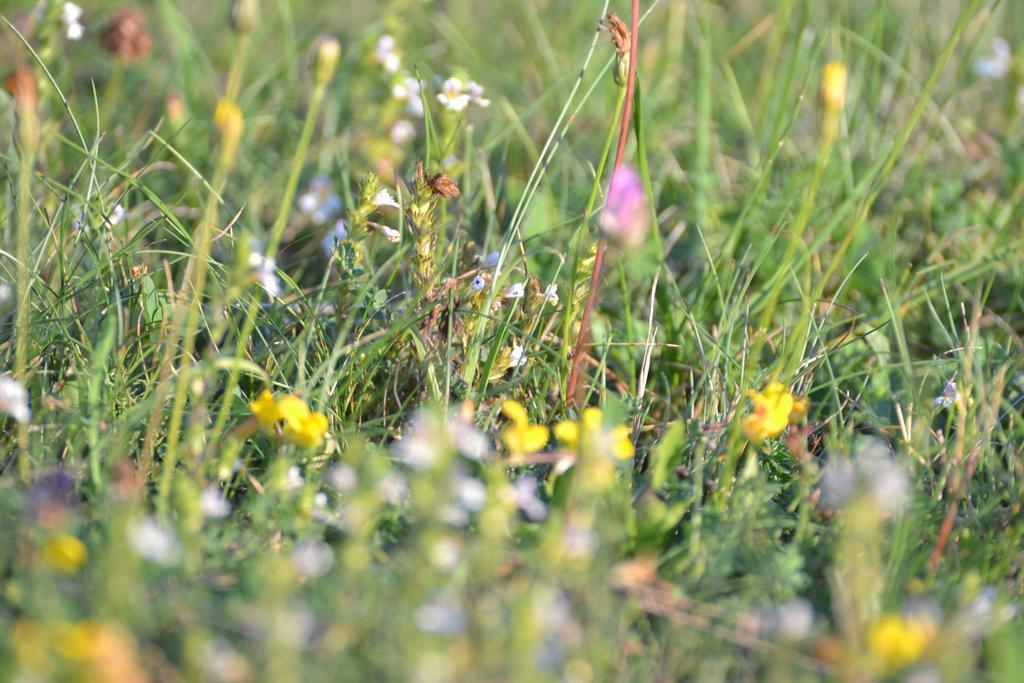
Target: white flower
476, 94
153, 541
793, 621
408, 89
14, 400
948, 397
451, 95
213, 504
579, 540
445, 554
117, 215
393, 488
998, 63
6, 292
293, 478
390, 234
873, 472
551, 295
221, 662
491, 260
266, 273
518, 357
318, 201
308, 202
384, 198
515, 291
71, 17
478, 283
443, 616
343, 478
402, 132
471, 493
524, 493
312, 559
338, 233
384, 53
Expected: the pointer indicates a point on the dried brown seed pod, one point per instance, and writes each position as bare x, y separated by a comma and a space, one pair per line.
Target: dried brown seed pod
125, 35
621, 37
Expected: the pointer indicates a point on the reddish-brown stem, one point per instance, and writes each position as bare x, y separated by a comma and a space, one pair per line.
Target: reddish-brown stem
595, 275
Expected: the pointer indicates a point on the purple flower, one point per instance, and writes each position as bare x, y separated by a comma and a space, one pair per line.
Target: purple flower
626, 217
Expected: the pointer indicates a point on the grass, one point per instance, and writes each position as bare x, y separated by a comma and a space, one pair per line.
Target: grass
161, 266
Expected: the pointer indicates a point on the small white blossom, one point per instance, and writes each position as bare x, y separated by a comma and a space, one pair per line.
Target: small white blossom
71, 17
478, 283
337, 234
213, 504
476, 94
385, 54
390, 234
515, 291
451, 95
948, 397
312, 559
385, 198
293, 478
117, 214
266, 273
153, 541
551, 295
445, 554
402, 132
6, 292
14, 400
408, 89
221, 662
318, 202
525, 497
491, 260
393, 488
997, 64
872, 471
443, 616
343, 478
792, 621
471, 493
518, 357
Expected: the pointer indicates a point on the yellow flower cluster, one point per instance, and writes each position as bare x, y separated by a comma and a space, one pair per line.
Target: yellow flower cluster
64, 553
521, 437
301, 425
775, 408
589, 430
896, 641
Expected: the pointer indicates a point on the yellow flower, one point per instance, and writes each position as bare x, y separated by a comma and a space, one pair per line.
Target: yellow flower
65, 553
590, 430
833, 86
774, 409
301, 426
521, 437
896, 641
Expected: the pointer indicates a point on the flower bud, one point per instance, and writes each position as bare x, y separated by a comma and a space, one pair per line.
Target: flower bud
327, 54
245, 15
229, 121
833, 87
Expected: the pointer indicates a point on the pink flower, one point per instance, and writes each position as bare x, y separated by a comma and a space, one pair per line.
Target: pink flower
626, 216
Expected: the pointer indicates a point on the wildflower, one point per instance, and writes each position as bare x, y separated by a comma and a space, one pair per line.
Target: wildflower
65, 553
445, 554
625, 218
590, 431
312, 559
774, 409
478, 283
6, 292
997, 64
443, 616
153, 541
338, 233
524, 495
408, 89
318, 201
328, 50
872, 472
833, 87
125, 35
71, 17
896, 641
551, 295
491, 260
793, 621
384, 53
402, 132
293, 478
949, 396
390, 234
117, 214
343, 478
518, 357
393, 488
521, 437
266, 273
470, 492
451, 95
301, 426
515, 291
14, 400
476, 95
213, 504
221, 662
385, 198
245, 15
424, 442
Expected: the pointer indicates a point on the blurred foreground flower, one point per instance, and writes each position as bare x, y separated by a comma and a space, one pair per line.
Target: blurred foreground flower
590, 432
14, 399
386, 54
833, 87
71, 17
896, 641
64, 552
998, 63
625, 218
873, 472
152, 540
301, 426
521, 437
775, 408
